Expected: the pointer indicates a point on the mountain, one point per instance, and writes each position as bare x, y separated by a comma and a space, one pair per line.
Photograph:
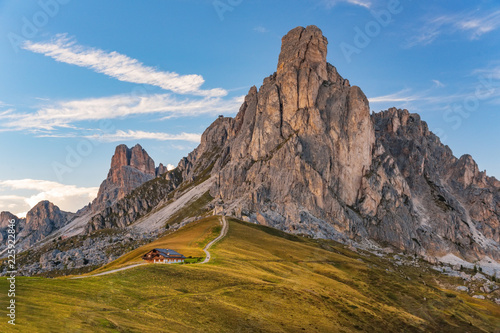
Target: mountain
5, 218
41, 221
305, 155
130, 167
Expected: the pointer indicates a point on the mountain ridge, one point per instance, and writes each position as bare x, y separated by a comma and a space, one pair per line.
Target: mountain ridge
305, 155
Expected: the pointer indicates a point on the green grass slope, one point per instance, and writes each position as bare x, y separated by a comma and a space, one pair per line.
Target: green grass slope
260, 280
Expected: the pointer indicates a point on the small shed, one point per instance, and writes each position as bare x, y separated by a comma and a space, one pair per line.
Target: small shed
163, 256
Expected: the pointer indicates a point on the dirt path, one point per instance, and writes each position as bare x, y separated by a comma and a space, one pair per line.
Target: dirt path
223, 233
109, 272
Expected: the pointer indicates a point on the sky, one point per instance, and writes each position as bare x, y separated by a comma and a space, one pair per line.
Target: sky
77, 78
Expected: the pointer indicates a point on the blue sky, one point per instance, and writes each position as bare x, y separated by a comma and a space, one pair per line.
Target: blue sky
78, 78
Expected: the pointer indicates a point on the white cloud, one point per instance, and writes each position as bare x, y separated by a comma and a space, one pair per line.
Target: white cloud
473, 24
120, 136
66, 197
479, 25
363, 3
170, 167
139, 135
65, 114
188, 148
490, 73
400, 96
119, 66
485, 89
438, 83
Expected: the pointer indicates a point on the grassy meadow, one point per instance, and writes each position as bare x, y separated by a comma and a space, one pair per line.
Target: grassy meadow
189, 240
259, 280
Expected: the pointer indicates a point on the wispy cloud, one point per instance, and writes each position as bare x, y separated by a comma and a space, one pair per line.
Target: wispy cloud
66, 197
120, 136
260, 29
362, 3
66, 113
479, 25
485, 89
182, 147
400, 96
65, 49
492, 72
474, 25
438, 84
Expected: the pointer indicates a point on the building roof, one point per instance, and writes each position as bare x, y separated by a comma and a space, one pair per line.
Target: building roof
169, 253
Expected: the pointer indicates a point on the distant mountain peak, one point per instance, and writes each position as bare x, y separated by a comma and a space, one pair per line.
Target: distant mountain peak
130, 168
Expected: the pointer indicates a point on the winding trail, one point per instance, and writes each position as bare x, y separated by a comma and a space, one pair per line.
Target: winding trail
223, 233
109, 272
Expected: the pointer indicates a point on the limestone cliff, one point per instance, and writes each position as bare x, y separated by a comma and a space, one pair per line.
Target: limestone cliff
130, 168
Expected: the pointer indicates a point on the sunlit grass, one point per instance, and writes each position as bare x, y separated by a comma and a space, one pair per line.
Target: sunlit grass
259, 280
188, 241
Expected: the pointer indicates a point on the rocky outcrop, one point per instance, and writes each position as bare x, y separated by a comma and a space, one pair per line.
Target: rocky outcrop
161, 169
443, 204
130, 168
299, 145
136, 204
41, 221
5, 218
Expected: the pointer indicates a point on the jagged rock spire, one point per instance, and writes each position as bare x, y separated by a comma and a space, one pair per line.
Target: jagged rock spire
302, 68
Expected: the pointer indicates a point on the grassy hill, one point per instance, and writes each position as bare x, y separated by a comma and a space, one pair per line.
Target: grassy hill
189, 241
260, 280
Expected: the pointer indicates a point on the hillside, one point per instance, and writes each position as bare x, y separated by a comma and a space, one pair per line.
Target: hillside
260, 279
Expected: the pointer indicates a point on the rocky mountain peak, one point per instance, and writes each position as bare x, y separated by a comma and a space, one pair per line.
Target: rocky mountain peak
303, 48
130, 167
302, 68
41, 220
43, 209
135, 157
5, 218
121, 157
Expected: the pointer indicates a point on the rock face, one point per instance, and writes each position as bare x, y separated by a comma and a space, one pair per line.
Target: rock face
299, 146
42, 220
135, 205
5, 218
121, 199
451, 206
304, 155
130, 168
